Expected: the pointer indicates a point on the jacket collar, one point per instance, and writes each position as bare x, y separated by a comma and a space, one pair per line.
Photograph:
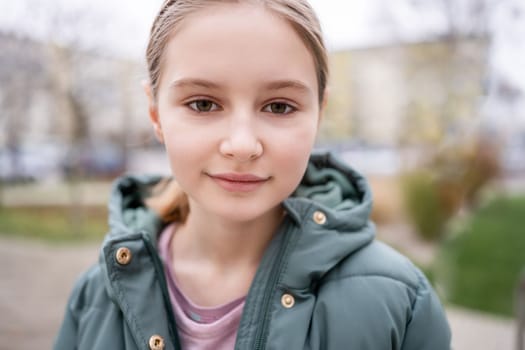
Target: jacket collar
339, 196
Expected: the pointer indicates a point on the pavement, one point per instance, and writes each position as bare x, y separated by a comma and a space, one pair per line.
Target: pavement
478, 331
36, 279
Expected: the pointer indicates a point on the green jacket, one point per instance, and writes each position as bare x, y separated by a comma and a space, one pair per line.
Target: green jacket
342, 289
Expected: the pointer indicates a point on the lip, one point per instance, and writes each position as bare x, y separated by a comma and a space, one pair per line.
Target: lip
234, 182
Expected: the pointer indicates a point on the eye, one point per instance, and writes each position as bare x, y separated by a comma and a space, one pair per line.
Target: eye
279, 108
203, 105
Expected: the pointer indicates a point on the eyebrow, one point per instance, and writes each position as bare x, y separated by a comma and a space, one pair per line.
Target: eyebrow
184, 83
273, 85
288, 84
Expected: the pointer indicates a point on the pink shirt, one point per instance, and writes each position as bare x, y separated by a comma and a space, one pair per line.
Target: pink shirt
199, 328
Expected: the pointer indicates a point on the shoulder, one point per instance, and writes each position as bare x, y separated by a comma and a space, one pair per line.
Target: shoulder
379, 291
89, 291
92, 319
377, 276
380, 261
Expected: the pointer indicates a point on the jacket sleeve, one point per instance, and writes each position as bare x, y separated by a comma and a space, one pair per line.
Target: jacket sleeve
68, 332
428, 327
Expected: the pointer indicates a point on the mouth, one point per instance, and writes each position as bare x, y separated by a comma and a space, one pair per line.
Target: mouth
233, 182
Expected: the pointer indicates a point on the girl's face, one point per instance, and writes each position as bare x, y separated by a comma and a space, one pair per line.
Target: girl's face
237, 109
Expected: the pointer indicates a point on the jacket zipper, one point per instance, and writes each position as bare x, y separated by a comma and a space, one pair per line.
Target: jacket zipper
261, 336
163, 284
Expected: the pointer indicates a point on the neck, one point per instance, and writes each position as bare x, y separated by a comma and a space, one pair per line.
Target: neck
224, 242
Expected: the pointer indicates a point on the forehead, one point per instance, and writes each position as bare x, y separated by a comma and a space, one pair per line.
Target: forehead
237, 44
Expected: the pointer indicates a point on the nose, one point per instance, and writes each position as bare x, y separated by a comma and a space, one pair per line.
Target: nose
241, 142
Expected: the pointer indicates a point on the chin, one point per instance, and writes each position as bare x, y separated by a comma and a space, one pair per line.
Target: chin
242, 212
240, 215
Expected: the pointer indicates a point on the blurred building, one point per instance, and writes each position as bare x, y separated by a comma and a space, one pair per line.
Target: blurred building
64, 109
406, 93
53, 94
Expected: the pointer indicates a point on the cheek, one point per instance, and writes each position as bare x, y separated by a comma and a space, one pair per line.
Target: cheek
301, 139
295, 150
182, 140
182, 153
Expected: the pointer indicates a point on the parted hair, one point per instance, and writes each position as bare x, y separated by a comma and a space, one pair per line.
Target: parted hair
298, 13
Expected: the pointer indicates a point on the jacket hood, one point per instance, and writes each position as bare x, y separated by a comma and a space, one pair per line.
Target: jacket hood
342, 197
338, 188
127, 212
329, 187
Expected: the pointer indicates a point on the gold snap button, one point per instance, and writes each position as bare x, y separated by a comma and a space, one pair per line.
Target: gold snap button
319, 217
156, 342
287, 300
123, 256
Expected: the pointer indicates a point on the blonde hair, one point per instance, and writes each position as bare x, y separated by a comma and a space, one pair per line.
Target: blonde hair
298, 13
168, 200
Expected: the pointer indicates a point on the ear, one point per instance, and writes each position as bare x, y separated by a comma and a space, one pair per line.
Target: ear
324, 102
153, 111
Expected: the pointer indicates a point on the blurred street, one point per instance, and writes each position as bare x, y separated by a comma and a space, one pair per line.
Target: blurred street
36, 279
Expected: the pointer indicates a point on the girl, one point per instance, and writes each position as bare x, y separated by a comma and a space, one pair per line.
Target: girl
258, 244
